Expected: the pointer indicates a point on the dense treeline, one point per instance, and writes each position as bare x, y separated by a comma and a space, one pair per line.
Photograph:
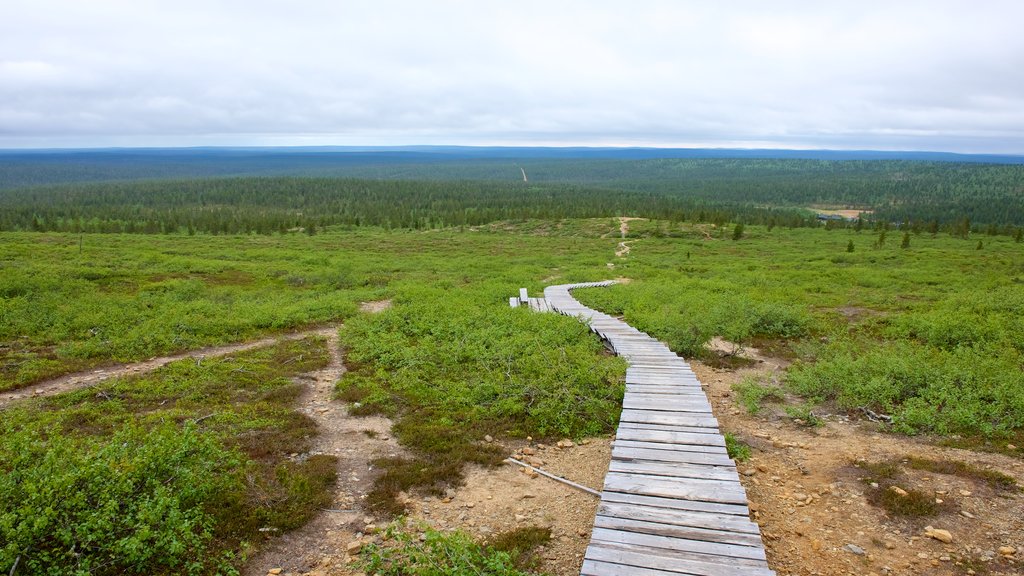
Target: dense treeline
896, 190
269, 205
935, 195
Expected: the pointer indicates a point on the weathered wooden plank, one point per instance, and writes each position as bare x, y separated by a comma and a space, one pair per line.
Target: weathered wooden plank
667, 427
649, 513
668, 447
667, 405
667, 437
693, 489
599, 568
630, 558
670, 544
670, 503
675, 531
673, 469
671, 456
666, 417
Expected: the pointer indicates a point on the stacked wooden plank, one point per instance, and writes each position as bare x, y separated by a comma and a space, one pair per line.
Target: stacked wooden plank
672, 502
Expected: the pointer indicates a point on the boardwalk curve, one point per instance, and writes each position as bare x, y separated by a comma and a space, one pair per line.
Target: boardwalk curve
672, 502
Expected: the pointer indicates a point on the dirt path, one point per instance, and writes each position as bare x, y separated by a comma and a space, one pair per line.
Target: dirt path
321, 546
624, 224
623, 250
91, 377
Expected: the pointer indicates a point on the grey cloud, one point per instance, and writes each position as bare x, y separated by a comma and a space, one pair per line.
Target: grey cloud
923, 75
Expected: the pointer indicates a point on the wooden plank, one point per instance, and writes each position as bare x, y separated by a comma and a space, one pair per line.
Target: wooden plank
649, 513
679, 562
675, 531
665, 417
667, 405
673, 469
599, 568
667, 427
671, 456
667, 437
624, 443
680, 396
737, 510
694, 489
513, 302
693, 390
666, 545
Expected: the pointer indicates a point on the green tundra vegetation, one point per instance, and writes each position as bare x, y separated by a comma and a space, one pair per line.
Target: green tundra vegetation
929, 333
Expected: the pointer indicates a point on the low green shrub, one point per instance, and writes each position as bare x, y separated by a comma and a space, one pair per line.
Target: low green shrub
751, 393
410, 550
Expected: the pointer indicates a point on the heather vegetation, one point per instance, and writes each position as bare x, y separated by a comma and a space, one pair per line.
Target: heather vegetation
920, 324
885, 328
180, 471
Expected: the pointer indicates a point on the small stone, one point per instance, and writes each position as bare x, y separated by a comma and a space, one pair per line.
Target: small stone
855, 549
944, 558
275, 571
966, 514
488, 438
749, 472
874, 484
529, 451
897, 490
800, 496
1007, 550
529, 495
938, 534
354, 547
965, 492
520, 518
1011, 447
889, 545
762, 468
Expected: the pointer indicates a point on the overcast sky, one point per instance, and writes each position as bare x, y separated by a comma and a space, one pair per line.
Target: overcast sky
928, 75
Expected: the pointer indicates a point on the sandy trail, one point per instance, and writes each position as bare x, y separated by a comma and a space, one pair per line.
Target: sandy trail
623, 250
320, 547
91, 377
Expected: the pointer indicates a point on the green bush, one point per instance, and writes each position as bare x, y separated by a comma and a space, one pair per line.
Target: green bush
138, 503
423, 551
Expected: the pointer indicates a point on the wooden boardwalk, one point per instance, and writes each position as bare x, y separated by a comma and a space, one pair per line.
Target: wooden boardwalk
672, 502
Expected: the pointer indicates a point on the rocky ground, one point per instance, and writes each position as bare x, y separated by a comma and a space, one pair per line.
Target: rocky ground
804, 490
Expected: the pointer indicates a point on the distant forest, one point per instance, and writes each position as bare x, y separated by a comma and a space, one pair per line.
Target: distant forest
171, 193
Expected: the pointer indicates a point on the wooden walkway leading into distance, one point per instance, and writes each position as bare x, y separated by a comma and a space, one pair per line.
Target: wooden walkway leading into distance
672, 502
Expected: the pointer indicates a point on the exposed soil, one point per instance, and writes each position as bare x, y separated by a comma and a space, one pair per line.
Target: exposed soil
624, 248
851, 214
89, 378
498, 500
320, 547
810, 500
624, 224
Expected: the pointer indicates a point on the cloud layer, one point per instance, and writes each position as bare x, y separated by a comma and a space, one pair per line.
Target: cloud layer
886, 75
